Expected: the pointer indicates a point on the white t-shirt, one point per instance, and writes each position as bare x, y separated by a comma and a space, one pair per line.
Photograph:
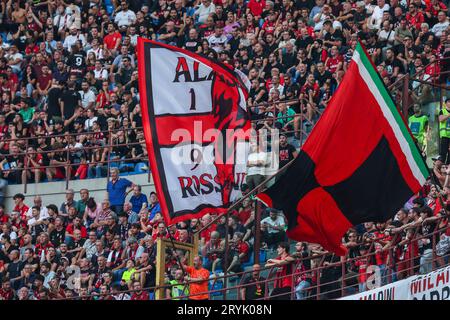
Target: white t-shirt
43, 214
279, 222
86, 98
203, 12
280, 89
33, 220
70, 40
383, 35
88, 123
253, 158
125, 18
98, 53
439, 27
15, 56
218, 43
101, 74
377, 14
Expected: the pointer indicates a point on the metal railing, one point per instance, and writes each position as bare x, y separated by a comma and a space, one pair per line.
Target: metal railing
318, 289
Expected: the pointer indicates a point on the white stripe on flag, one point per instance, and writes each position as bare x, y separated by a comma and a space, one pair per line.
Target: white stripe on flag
390, 118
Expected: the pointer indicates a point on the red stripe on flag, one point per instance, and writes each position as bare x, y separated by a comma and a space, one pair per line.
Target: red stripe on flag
320, 221
174, 129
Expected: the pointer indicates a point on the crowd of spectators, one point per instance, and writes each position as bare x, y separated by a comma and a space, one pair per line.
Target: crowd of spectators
88, 249
70, 67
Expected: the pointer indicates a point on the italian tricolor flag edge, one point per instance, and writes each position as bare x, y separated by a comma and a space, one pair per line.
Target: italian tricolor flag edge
376, 86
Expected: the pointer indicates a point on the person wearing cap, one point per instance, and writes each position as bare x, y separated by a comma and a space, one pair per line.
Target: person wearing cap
418, 124
444, 132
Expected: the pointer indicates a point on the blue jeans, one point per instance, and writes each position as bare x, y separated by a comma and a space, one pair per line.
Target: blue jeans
362, 287
300, 289
97, 172
426, 260
383, 274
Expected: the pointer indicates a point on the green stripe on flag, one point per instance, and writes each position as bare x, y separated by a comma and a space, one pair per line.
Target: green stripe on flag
398, 118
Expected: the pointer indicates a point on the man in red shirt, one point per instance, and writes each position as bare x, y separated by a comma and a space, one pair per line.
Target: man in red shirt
73, 226
269, 25
283, 263
414, 17
239, 251
310, 88
113, 39
161, 232
6, 293
256, 7
4, 217
138, 294
205, 235
20, 206
335, 61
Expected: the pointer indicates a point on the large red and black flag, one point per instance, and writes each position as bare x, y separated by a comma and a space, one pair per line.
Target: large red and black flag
359, 163
196, 129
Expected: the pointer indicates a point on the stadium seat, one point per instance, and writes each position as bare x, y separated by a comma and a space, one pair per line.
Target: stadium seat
141, 167
215, 285
126, 167
250, 261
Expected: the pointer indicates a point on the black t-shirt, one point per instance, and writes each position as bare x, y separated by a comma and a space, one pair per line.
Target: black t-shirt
427, 230
15, 161
303, 42
34, 261
14, 269
336, 35
77, 244
391, 65
372, 48
53, 102
270, 48
253, 288
291, 91
192, 45
308, 4
77, 61
71, 100
322, 78
57, 237
269, 67
286, 154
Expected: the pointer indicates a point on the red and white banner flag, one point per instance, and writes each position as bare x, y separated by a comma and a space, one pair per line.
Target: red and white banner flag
196, 129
